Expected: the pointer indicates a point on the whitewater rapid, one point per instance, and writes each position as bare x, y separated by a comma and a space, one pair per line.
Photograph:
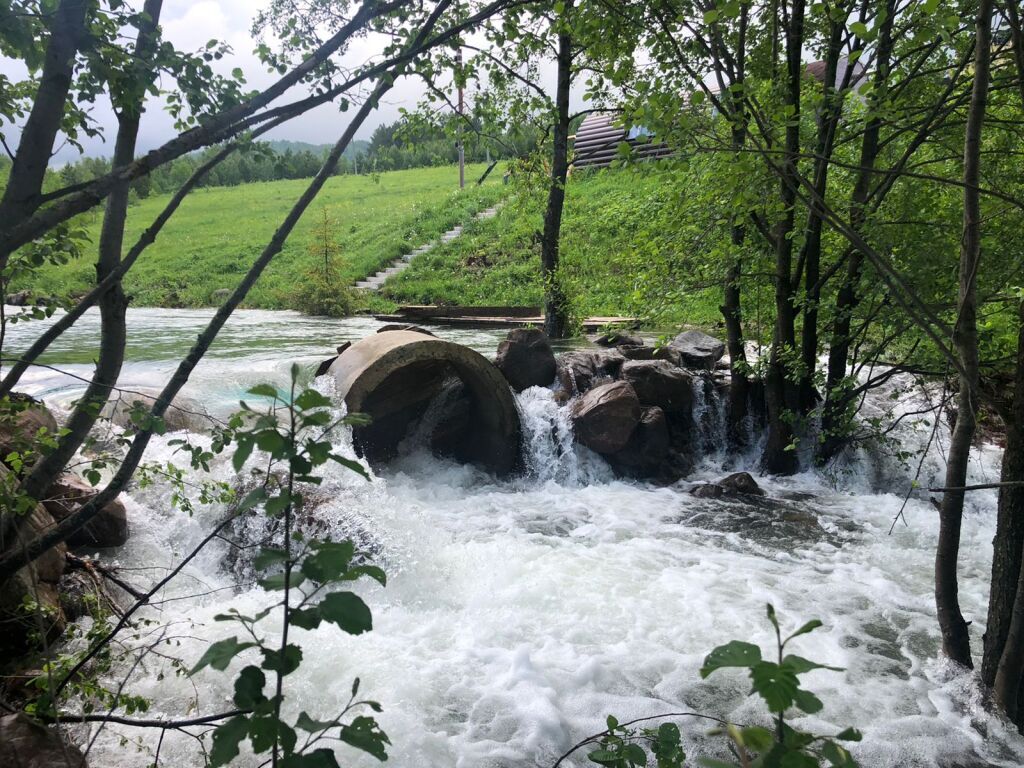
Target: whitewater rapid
519, 614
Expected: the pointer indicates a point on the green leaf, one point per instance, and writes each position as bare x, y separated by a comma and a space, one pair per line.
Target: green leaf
264, 390
348, 611
710, 17
799, 664
363, 733
310, 398
859, 28
810, 626
733, 654
319, 758
798, 760
757, 739
849, 734
372, 571
775, 684
305, 618
603, 757
808, 702
220, 654
269, 556
226, 738
284, 661
249, 688
262, 731
242, 453
307, 723
329, 561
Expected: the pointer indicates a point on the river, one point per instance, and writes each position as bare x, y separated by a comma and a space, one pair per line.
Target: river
519, 614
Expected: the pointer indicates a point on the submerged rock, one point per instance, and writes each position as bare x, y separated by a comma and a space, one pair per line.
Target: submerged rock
698, 349
741, 483
183, 414
604, 418
582, 369
26, 743
525, 359
658, 382
614, 339
107, 529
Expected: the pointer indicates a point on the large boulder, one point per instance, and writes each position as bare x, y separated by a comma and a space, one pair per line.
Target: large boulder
183, 414
639, 352
26, 743
659, 383
604, 418
645, 454
581, 369
107, 529
20, 423
525, 359
698, 349
30, 610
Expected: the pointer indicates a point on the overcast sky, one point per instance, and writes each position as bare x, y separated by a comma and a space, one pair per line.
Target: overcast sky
189, 24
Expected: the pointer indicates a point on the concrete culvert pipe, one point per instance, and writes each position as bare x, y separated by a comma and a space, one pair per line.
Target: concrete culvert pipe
395, 377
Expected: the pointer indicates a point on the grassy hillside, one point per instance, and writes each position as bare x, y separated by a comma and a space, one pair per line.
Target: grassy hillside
621, 240
218, 232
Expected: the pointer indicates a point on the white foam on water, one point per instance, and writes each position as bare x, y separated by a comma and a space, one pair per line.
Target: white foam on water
519, 614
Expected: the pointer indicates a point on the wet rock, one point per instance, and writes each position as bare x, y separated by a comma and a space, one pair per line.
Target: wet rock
19, 299
741, 482
30, 610
107, 529
698, 349
645, 454
20, 423
525, 359
184, 413
402, 327
614, 339
668, 353
659, 383
26, 743
604, 418
582, 369
738, 483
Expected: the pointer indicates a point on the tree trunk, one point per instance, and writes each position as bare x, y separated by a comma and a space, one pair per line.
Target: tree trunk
24, 185
955, 636
113, 304
555, 310
835, 412
1002, 665
810, 257
781, 394
1005, 595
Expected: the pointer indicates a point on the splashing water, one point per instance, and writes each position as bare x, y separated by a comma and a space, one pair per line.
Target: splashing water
519, 614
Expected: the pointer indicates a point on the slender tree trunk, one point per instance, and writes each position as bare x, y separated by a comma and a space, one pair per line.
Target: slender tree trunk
21, 196
828, 120
1003, 661
781, 394
555, 310
113, 304
1008, 544
731, 309
955, 636
834, 413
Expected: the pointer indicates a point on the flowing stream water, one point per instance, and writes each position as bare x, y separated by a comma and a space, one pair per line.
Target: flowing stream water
519, 614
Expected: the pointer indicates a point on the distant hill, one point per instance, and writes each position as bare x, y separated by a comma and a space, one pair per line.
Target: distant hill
355, 147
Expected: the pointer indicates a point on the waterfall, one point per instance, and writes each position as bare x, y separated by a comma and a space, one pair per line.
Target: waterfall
708, 416
550, 454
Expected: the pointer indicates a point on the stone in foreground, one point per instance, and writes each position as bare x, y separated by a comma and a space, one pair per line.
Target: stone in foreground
526, 359
604, 418
698, 349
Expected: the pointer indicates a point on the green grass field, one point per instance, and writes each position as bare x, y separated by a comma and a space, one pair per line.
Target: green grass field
218, 232
617, 238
